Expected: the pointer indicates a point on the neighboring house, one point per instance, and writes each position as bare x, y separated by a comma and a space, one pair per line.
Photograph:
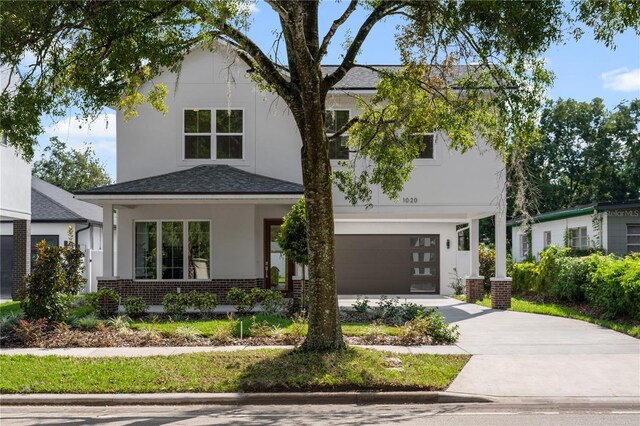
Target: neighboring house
15, 204
613, 227
201, 192
53, 211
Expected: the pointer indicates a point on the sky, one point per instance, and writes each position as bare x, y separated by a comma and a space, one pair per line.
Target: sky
584, 70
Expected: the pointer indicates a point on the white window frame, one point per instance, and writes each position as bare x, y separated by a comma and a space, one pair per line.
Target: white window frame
524, 242
345, 134
214, 135
434, 158
579, 237
546, 242
185, 252
635, 245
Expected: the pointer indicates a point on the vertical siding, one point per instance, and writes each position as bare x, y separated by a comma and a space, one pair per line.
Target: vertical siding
617, 221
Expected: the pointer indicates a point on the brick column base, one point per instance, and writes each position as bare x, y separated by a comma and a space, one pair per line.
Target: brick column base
500, 293
474, 288
21, 256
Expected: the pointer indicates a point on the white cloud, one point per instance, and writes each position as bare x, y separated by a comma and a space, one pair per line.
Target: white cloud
622, 79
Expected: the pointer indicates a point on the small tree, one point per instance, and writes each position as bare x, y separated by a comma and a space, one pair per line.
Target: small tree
293, 237
56, 278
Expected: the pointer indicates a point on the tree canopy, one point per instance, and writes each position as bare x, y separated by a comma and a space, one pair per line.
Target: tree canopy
586, 154
69, 168
471, 69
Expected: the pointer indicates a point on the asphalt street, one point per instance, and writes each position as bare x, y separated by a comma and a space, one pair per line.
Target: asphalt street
436, 414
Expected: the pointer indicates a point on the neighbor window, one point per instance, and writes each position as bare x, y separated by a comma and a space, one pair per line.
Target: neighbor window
50, 240
578, 237
171, 237
334, 120
524, 246
220, 139
426, 146
547, 239
633, 237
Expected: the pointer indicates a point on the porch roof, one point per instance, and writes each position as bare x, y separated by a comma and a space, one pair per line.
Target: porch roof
203, 180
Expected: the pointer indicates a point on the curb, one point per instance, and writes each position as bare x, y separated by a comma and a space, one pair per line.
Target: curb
290, 398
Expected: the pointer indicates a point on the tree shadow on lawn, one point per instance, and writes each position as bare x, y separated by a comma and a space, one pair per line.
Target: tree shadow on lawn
348, 370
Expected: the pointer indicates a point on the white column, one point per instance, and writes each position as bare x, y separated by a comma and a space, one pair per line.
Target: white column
501, 243
474, 251
107, 244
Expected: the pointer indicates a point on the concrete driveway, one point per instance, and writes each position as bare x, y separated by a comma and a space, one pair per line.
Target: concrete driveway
529, 355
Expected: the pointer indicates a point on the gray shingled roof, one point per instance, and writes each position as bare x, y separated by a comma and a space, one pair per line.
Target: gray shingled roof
45, 209
205, 179
82, 209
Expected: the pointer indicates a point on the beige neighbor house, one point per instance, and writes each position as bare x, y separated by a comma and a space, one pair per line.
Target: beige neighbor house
201, 192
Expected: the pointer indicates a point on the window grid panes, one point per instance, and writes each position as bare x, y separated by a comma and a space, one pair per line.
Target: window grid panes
229, 134
199, 250
633, 237
524, 246
547, 239
172, 250
578, 237
334, 120
146, 250
197, 134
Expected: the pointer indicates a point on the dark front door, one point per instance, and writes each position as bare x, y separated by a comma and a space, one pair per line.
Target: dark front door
6, 265
387, 264
278, 269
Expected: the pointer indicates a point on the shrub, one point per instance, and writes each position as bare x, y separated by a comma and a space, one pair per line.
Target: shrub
121, 323
187, 333
487, 257
614, 286
8, 322
524, 276
31, 333
361, 306
429, 327
241, 300
55, 280
272, 302
548, 268
88, 323
135, 307
105, 301
175, 304
205, 303
573, 273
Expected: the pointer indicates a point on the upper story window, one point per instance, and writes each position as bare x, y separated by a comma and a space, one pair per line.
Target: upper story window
207, 139
334, 120
426, 142
578, 237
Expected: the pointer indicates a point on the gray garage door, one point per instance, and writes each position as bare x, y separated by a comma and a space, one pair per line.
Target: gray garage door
387, 264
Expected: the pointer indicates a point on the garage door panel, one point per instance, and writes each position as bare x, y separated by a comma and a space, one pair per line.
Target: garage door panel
387, 264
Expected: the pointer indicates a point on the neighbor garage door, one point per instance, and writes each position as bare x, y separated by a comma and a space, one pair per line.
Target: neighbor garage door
387, 264
6, 266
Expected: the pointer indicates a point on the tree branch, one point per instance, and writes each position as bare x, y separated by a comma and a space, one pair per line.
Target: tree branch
334, 27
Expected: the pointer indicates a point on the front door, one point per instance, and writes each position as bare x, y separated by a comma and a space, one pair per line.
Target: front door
278, 269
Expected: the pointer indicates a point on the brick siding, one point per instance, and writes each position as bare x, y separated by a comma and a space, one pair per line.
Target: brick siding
500, 293
21, 256
474, 289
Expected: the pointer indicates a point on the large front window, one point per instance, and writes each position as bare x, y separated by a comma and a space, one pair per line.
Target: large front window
160, 250
219, 139
334, 120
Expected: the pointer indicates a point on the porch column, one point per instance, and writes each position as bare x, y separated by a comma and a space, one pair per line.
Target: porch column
107, 245
474, 283
21, 256
500, 284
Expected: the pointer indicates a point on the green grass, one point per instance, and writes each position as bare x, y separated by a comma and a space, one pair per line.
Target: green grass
238, 371
223, 328
557, 310
7, 308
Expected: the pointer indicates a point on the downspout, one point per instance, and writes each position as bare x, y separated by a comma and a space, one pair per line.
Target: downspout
79, 231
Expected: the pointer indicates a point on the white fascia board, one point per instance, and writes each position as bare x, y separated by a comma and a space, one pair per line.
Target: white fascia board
168, 198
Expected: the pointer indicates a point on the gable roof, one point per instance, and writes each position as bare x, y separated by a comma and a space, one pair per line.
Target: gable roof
204, 179
50, 203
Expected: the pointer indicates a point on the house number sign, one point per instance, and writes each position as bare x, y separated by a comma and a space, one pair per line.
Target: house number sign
410, 200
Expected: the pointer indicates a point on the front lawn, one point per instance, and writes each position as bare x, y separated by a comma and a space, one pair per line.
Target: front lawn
559, 310
237, 371
7, 308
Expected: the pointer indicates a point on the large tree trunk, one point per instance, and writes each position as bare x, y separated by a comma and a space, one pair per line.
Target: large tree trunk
324, 333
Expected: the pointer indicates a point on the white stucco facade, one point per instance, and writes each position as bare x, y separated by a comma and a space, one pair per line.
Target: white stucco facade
443, 192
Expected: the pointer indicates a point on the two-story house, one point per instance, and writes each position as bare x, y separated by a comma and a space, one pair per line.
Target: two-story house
202, 191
